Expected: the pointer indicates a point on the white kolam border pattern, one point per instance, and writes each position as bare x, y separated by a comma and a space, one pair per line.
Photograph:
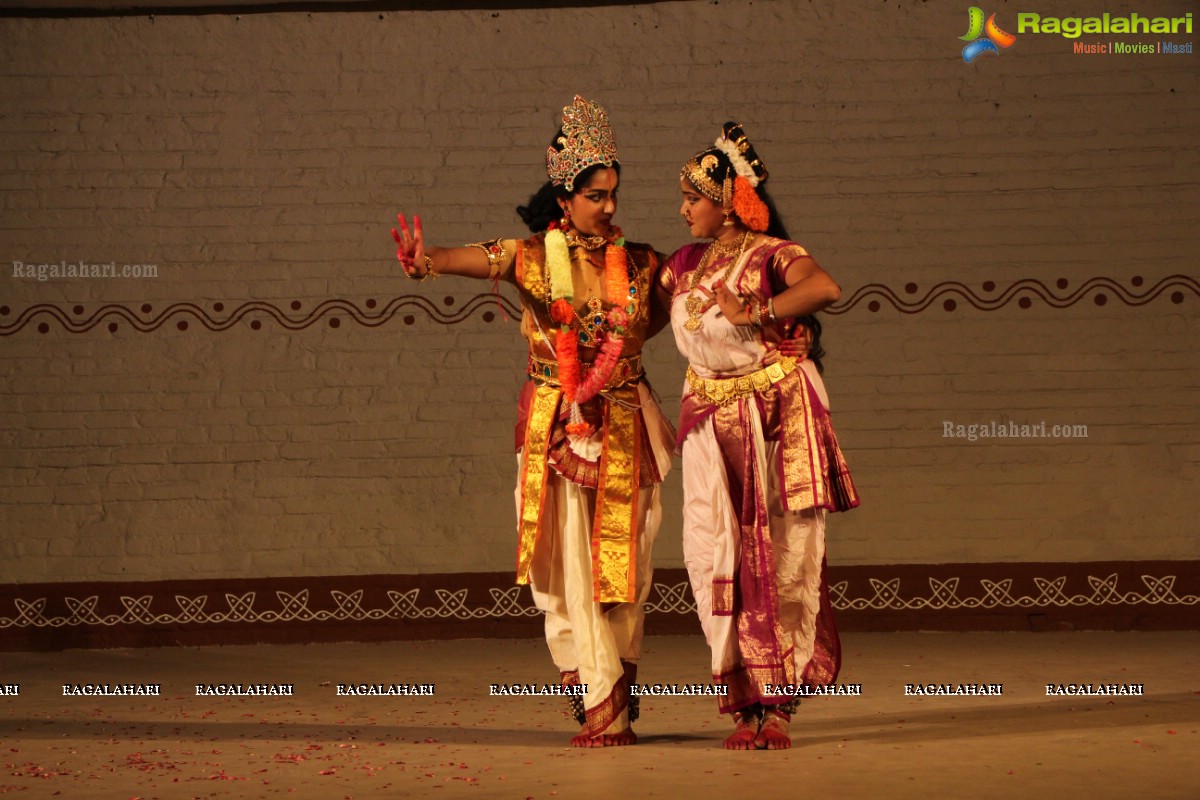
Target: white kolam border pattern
886, 594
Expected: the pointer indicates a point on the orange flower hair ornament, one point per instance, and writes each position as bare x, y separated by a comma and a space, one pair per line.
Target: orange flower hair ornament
745, 202
749, 207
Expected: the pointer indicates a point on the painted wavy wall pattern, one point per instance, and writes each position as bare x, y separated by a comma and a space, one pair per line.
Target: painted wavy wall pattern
1023, 293
946, 296
146, 318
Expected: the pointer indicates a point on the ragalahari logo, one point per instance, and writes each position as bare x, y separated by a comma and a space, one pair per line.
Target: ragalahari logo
983, 37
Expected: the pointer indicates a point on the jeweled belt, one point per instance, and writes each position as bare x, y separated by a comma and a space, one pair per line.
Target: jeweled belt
720, 391
545, 371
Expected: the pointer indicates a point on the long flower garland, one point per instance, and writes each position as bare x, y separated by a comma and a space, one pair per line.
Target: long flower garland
579, 388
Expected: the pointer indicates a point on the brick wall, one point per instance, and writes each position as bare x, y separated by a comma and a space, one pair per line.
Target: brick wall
279, 401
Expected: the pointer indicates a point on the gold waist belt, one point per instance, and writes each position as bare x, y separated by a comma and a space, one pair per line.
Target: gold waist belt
720, 391
545, 371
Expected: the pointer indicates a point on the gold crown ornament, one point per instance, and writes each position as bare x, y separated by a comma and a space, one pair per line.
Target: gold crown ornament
586, 140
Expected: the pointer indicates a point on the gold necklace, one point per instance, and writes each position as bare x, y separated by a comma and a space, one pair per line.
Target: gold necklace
697, 305
586, 241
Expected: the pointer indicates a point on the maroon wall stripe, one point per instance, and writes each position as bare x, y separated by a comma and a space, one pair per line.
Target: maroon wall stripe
1035, 596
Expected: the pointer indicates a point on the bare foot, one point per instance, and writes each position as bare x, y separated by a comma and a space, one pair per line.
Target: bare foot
744, 732
773, 735
618, 739
584, 739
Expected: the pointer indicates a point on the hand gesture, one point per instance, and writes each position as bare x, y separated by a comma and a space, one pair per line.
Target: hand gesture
731, 307
410, 248
798, 345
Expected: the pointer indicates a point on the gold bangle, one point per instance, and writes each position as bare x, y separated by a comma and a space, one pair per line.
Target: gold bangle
428, 271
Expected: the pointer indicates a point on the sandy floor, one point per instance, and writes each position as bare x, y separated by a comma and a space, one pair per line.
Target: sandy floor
461, 742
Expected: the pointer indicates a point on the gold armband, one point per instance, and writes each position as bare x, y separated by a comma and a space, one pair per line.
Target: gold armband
495, 252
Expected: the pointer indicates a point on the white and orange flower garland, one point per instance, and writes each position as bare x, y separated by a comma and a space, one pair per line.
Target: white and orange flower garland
566, 339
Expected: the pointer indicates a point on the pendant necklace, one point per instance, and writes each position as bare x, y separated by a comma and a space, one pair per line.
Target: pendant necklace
696, 304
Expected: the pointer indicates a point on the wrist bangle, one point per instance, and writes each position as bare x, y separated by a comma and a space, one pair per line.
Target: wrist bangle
427, 274
757, 321
771, 310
